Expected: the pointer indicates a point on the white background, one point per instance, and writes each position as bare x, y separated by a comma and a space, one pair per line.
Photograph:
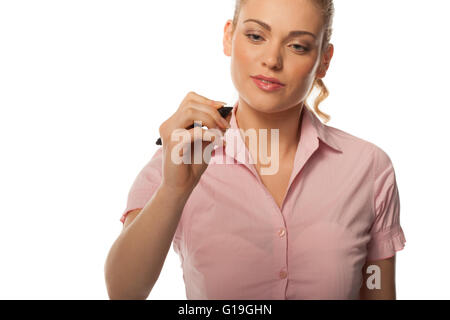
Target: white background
84, 86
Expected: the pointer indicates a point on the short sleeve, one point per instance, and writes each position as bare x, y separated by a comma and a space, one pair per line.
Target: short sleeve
145, 184
387, 235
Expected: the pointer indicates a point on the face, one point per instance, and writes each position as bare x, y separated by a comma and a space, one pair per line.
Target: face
295, 60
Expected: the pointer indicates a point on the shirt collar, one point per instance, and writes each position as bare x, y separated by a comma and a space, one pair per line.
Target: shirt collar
312, 130
321, 131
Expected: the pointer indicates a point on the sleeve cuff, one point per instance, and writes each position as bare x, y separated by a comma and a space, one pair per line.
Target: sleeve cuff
384, 245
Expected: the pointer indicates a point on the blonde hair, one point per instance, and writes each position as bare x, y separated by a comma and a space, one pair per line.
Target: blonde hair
327, 9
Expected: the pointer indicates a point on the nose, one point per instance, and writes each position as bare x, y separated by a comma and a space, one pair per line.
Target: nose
273, 58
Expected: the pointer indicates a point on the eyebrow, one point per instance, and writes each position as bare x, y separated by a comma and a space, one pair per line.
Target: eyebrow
291, 34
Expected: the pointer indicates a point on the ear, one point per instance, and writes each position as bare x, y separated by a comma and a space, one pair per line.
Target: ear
228, 38
325, 61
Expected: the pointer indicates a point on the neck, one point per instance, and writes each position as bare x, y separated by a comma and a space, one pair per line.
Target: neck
286, 121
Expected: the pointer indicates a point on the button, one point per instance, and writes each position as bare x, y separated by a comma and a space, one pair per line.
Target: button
283, 274
281, 232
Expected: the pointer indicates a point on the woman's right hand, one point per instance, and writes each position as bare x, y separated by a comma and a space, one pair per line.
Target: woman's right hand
178, 175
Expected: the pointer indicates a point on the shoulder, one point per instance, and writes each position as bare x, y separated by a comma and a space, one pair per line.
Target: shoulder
153, 167
347, 139
157, 158
361, 148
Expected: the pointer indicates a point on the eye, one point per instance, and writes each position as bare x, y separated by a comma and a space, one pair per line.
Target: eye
255, 37
250, 35
302, 47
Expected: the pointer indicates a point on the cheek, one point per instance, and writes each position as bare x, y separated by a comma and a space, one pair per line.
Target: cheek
304, 68
241, 54
241, 62
302, 78
303, 74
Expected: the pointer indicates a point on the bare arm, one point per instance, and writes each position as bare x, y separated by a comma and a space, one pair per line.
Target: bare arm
137, 256
387, 273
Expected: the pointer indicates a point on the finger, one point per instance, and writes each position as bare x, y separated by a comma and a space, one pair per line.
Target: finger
193, 115
194, 135
208, 135
228, 118
216, 104
213, 113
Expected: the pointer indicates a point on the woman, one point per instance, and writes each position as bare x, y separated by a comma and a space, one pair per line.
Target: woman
308, 230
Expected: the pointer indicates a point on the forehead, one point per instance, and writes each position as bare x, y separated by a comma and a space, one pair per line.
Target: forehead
284, 15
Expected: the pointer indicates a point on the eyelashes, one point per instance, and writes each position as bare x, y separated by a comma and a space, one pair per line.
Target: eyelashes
250, 35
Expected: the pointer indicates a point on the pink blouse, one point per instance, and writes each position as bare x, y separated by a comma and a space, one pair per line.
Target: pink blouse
341, 209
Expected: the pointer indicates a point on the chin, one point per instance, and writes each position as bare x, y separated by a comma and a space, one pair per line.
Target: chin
264, 105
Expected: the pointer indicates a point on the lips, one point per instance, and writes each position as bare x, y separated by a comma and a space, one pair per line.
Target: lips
267, 86
268, 79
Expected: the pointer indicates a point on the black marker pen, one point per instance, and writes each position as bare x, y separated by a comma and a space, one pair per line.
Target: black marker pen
224, 111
